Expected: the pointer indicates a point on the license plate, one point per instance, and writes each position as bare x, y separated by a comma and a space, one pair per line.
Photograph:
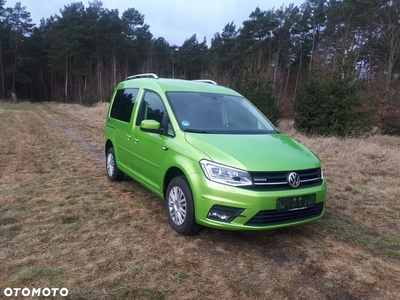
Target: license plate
295, 203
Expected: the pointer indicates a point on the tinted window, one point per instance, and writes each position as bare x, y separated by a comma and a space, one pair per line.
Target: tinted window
152, 108
116, 104
123, 104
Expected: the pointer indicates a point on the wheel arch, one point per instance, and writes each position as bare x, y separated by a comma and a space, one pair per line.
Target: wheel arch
171, 173
108, 145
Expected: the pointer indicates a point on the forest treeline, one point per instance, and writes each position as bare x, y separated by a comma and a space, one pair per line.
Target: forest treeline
83, 52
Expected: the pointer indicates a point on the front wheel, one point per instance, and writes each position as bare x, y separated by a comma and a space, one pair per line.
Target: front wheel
180, 207
113, 173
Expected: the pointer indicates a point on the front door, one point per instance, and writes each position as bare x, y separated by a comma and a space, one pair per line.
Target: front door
150, 149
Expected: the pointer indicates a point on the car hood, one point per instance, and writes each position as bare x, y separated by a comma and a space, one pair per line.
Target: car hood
255, 152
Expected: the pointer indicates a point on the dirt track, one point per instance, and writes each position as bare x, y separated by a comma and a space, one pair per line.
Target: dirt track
62, 224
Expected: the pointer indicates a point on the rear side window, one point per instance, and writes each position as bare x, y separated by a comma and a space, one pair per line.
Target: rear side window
123, 104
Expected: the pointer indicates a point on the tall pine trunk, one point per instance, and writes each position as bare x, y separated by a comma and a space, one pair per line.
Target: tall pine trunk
15, 61
2, 72
66, 80
99, 79
114, 70
299, 70
287, 82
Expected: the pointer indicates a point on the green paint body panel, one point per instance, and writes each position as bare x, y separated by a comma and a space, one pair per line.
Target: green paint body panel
148, 157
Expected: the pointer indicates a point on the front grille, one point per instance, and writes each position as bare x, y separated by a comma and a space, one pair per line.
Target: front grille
272, 217
277, 181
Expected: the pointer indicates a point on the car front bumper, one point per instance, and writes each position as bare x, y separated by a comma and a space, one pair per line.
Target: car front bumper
226, 207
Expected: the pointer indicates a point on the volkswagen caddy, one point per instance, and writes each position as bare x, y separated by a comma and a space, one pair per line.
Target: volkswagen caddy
211, 155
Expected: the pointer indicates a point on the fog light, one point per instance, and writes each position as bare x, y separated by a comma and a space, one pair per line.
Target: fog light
218, 216
224, 213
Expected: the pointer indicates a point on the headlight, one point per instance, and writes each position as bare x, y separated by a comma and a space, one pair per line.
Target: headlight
223, 174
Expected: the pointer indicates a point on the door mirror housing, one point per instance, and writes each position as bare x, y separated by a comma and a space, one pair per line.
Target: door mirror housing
151, 126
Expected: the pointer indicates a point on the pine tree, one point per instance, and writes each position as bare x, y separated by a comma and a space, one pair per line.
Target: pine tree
21, 26
258, 88
331, 107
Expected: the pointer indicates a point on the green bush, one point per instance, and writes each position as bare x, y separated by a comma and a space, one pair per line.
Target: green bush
389, 112
258, 88
331, 107
88, 98
391, 123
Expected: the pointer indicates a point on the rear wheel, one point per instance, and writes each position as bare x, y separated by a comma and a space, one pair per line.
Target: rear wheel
113, 173
180, 207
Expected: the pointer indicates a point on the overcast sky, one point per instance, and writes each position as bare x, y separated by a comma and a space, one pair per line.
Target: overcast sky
175, 20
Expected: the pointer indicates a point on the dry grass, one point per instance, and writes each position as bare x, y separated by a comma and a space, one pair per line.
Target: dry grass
62, 224
363, 177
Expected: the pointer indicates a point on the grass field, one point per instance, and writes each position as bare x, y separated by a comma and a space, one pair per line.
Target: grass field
63, 224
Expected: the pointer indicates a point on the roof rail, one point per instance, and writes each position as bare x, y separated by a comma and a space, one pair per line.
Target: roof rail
206, 81
145, 75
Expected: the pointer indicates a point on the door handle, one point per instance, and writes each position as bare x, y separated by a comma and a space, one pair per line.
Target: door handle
136, 141
128, 136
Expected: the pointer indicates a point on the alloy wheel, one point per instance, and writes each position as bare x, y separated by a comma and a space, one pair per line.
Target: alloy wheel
177, 205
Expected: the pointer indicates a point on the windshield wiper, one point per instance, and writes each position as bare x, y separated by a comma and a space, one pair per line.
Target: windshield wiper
196, 130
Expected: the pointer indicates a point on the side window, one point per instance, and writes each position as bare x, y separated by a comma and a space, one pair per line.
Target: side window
152, 108
116, 104
123, 104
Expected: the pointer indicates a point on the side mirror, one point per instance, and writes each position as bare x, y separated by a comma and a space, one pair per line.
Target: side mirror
151, 126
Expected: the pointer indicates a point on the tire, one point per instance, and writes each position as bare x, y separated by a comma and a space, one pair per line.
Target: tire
113, 173
180, 207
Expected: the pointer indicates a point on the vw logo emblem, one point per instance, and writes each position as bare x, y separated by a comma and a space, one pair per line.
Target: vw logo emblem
293, 179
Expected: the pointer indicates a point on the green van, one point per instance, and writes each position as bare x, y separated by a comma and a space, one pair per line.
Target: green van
214, 158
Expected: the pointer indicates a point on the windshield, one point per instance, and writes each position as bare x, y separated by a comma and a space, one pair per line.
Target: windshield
217, 113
